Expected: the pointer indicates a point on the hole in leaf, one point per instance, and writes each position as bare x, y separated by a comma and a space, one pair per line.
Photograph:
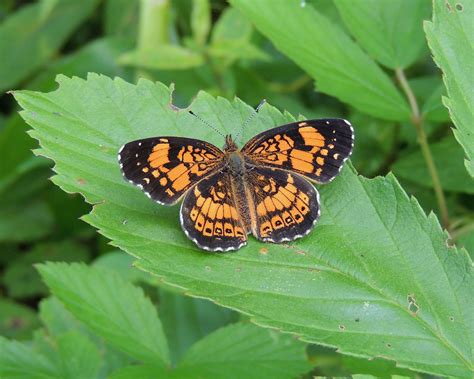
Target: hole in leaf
412, 305
459, 7
342, 327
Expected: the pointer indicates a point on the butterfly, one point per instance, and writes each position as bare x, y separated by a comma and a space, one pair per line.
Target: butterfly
263, 188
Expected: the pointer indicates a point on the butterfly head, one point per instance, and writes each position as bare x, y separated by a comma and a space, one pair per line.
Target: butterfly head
230, 144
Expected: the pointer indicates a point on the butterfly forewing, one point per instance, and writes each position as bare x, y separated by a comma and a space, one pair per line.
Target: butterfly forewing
316, 149
166, 167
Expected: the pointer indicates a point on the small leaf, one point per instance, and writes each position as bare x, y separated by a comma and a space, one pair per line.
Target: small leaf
25, 222
141, 372
21, 279
30, 36
186, 320
79, 357
244, 351
450, 39
18, 361
235, 49
201, 20
433, 109
122, 263
369, 263
112, 307
163, 57
391, 31
99, 55
121, 17
16, 320
447, 155
232, 25
325, 52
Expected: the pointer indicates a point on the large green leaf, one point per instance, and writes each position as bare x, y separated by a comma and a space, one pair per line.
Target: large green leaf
451, 39
338, 65
29, 37
375, 278
112, 307
390, 30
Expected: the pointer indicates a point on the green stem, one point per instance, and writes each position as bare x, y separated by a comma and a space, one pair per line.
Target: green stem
417, 121
153, 28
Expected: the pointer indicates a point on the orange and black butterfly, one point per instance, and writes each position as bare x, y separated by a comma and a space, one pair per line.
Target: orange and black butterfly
262, 188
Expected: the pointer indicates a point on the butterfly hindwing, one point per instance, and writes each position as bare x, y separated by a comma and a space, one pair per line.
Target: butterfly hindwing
286, 206
166, 167
316, 149
209, 215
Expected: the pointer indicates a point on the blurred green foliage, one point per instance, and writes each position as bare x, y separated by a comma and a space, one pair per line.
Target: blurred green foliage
315, 58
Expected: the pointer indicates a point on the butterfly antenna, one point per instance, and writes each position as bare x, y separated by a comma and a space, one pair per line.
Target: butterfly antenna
262, 103
206, 123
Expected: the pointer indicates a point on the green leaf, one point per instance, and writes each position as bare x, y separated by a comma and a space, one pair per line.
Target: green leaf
231, 26
58, 322
21, 279
325, 52
56, 318
79, 357
99, 55
163, 57
244, 351
121, 17
18, 361
391, 31
122, 263
201, 21
433, 109
186, 320
447, 155
236, 49
16, 320
375, 265
450, 37
112, 307
25, 222
32, 35
140, 372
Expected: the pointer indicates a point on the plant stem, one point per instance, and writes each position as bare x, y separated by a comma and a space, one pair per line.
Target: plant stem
417, 121
153, 28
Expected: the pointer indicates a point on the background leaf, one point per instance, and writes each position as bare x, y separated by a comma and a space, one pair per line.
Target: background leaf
450, 39
118, 311
244, 351
163, 57
338, 65
391, 31
448, 156
187, 320
30, 37
352, 276
18, 361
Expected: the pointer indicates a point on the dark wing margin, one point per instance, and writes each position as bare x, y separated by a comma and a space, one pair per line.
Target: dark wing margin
285, 205
166, 167
316, 149
209, 215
